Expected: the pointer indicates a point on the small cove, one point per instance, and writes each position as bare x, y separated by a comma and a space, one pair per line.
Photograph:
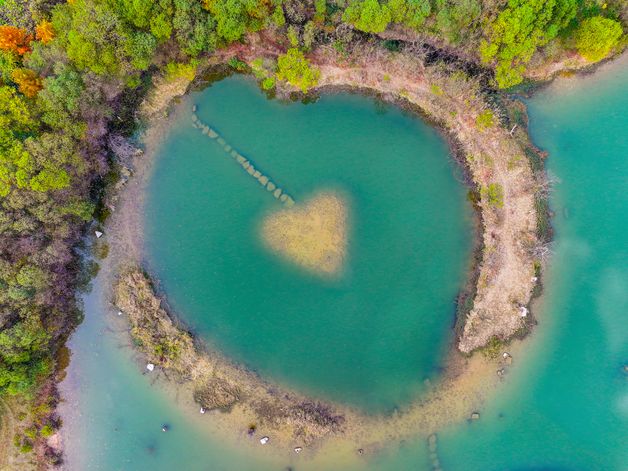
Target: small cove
369, 337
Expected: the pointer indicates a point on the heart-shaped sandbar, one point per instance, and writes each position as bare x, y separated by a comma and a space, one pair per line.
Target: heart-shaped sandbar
312, 234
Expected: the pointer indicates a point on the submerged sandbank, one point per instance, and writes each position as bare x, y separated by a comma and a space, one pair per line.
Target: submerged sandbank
313, 234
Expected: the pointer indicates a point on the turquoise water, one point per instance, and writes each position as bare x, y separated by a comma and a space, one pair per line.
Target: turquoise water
368, 337
563, 407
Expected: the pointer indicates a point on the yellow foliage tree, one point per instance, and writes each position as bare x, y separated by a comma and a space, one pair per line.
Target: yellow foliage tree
28, 82
45, 32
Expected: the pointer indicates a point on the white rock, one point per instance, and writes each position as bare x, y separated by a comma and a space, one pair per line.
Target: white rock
119, 313
298, 449
202, 410
264, 440
523, 311
98, 234
150, 367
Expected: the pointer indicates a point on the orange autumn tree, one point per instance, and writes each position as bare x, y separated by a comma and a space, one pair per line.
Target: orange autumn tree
15, 39
28, 82
45, 32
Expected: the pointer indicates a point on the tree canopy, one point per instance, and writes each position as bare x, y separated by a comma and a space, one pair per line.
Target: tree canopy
597, 37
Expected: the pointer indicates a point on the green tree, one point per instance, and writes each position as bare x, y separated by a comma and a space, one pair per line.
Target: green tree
235, 17
597, 37
411, 13
454, 18
23, 356
295, 69
513, 37
193, 27
16, 123
368, 15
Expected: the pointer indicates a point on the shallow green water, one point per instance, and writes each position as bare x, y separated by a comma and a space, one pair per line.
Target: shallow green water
375, 333
563, 407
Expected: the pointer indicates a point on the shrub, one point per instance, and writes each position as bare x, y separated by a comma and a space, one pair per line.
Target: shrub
494, 194
47, 431
597, 36
268, 83
176, 70
485, 120
295, 69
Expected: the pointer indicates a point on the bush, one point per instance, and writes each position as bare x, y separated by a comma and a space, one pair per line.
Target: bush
485, 120
596, 37
494, 194
46, 431
295, 69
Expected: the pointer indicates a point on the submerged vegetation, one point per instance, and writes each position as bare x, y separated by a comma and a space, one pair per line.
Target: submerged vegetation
72, 74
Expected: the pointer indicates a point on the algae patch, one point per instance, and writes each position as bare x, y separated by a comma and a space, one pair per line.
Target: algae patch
312, 235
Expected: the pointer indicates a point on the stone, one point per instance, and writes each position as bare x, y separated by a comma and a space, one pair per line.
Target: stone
194, 108
119, 313
264, 440
271, 186
150, 366
283, 198
98, 234
202, 411
523, 311
251, 170
507, 358
257, 174
277, 193
240, 159
263, 180
475, 416
298, 449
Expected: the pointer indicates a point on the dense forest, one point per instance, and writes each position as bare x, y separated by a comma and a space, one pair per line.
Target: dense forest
71, 74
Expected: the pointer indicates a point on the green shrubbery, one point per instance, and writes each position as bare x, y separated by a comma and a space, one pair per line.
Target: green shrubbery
597, 37
494, 194
295, 69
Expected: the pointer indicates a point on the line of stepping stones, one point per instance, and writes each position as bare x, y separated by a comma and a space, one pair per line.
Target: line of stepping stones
245, 163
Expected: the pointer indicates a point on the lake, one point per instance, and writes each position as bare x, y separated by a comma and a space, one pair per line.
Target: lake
564, 406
